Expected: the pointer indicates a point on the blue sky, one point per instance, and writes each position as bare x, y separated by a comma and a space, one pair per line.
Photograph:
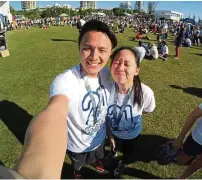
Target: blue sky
186, 7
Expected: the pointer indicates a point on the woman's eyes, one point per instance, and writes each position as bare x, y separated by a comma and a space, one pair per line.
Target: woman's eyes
125, 64
86, 49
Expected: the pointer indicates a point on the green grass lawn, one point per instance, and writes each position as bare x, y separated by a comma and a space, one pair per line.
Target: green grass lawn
38, 55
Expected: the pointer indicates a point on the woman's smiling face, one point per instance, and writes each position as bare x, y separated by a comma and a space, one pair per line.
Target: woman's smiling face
124, 67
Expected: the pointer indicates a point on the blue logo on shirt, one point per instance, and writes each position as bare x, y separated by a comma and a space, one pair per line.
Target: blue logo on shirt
127, 122
87, 106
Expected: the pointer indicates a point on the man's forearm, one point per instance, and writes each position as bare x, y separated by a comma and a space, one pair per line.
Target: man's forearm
45, 146
189, 122
187, 126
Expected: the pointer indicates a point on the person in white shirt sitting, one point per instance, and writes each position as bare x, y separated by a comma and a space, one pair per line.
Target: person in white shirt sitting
141, 50
152, 53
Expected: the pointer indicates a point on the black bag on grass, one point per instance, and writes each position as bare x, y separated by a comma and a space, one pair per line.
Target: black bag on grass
166, 153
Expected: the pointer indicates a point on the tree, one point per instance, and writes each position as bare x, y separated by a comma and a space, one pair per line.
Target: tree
12, 10
32, 14
136, 11
108, 12
118, 11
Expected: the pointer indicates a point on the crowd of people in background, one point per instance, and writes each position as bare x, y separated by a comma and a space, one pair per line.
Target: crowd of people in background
186, 34
142, 25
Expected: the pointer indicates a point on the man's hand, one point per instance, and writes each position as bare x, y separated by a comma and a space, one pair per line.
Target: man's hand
178, 143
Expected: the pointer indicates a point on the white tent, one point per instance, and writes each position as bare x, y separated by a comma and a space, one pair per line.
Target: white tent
99, 14
63, 15
127, 14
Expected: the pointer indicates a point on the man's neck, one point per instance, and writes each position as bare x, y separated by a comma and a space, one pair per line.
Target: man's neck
89, 75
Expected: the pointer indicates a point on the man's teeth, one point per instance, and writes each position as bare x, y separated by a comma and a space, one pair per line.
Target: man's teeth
93, 64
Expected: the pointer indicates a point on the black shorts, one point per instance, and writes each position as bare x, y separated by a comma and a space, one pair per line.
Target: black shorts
80, 159
191, 147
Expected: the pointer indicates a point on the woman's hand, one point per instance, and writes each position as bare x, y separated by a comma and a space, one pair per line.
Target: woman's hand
112, 143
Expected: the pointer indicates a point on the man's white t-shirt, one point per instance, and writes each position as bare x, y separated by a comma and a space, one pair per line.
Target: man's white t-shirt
130, 124
197, 131
84, 134
141, 51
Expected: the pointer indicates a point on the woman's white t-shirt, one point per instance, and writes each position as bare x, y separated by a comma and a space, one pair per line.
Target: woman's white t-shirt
130, 124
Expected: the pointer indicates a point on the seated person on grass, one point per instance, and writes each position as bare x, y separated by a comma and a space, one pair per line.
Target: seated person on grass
163, 50
140, 36
152, 53
141, 49
192, 146
187, 42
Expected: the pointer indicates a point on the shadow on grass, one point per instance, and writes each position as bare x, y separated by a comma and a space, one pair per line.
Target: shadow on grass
199, 54
196, 47
144, 151
87, 172
2, 163
140, 174
190, 90
67, 171
145, 146
15, 118
71, 40
131, 38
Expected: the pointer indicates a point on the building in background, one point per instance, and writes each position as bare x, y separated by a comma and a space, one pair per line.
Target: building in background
5, 10
139, 5
126, 5
88, 4
68, 6
28, 5
151, 7
168, 14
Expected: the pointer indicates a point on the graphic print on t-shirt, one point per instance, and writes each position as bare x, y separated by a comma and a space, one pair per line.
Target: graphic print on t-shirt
128, 122
92, 124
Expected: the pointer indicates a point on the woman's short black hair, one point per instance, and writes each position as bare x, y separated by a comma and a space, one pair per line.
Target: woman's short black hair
95, 25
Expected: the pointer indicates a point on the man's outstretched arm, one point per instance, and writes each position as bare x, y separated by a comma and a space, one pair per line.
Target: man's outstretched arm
45, 142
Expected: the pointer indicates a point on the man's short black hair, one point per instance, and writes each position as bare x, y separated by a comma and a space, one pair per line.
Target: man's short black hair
95, 25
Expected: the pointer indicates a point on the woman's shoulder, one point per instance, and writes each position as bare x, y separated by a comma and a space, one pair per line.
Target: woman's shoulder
146, 89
